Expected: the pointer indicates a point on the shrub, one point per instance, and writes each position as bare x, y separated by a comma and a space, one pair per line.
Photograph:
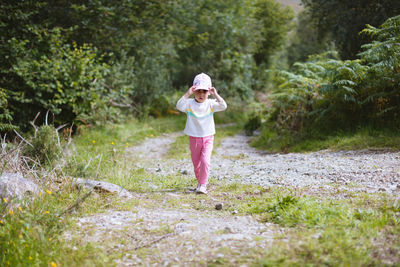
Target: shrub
45, 146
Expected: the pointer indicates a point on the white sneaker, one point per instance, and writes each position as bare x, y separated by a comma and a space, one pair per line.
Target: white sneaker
197, 188
202, 189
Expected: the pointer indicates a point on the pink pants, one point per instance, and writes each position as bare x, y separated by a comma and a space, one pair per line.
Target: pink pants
201, 148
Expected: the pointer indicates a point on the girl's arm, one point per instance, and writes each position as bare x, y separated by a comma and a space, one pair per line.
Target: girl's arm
182, 102
220, 104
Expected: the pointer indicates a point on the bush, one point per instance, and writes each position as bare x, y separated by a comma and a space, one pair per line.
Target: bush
45, 146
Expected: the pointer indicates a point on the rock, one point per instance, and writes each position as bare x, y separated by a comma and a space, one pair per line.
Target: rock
184, 172
228, 230
158, 170
218, 206
382, 189
235, 212
13, 185
180, 228
103, 187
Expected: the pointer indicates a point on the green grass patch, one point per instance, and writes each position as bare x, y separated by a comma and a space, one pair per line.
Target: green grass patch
365, 138
316, 231
97, 150
323, 231
31, 231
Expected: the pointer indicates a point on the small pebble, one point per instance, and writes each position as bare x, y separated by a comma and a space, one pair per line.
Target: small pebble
228, 230
235, 212
218, 206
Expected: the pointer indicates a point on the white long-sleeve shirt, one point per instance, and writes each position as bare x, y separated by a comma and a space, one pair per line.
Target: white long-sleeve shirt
200, 116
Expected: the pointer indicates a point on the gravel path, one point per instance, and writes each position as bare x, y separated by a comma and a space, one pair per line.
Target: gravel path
236, 161
178, 237
151, 235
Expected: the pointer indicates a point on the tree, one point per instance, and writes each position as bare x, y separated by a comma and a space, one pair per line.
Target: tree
305, 40
274, 22
344, 20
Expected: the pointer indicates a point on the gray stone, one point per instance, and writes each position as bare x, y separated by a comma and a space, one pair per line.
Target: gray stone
228, 230
103, 187
14, 185
218, 206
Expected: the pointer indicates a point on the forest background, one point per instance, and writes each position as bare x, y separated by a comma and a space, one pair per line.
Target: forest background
330, 66
300, 74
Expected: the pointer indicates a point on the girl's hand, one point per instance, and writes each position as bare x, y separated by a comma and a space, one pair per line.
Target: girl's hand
190, 91
213, 91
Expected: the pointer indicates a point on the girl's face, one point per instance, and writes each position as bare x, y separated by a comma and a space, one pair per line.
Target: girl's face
200, 95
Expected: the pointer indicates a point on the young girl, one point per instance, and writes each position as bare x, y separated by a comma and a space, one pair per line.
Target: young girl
200, 125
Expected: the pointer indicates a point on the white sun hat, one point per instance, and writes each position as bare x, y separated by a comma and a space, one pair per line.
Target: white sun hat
202, 82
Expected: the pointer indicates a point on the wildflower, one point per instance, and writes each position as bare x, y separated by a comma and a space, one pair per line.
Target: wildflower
19, 208
1, 221
20, 236
46, 212
94, 141
11, 212
53, 264
5, 200
50, 238
48, 192
127, 144
30, 258
112, 143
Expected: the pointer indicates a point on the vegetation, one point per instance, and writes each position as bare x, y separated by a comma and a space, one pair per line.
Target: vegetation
343, 20
91, 62
325, 94
113, 70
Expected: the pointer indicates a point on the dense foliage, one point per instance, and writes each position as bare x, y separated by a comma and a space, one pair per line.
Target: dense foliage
344, 19
88, 60
330, 94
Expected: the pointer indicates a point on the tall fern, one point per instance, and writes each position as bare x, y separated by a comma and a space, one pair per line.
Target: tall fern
330, 93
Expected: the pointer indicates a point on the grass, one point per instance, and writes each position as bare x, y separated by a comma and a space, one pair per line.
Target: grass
316, 231
31, 231
362, 229
363, 138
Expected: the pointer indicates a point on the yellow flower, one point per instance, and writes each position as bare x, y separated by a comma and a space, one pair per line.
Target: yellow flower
1, 221
48, 192
5, 200
30, 257
46, 212
94, 141
20, 236
19, 208
127, 144
50, 238
112, 143
11, 212
53, 264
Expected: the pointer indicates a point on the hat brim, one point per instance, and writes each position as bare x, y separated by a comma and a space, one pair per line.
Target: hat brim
201, 88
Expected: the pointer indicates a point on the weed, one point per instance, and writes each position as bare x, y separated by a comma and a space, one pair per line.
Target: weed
45, 146
30, 235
